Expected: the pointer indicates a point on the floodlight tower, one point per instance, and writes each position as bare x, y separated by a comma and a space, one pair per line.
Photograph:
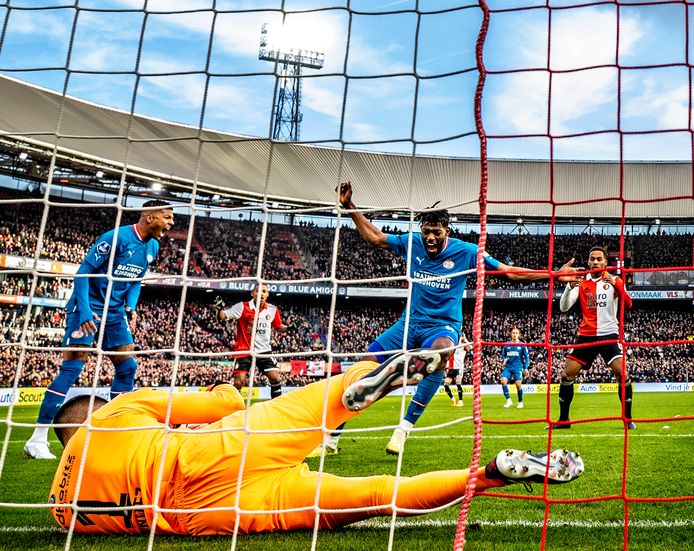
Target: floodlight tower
287, 109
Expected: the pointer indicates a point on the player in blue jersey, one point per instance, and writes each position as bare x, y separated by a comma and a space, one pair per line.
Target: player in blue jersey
515, 362
133, 249
439, 266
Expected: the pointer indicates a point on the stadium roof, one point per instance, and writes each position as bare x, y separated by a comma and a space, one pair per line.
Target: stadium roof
248, 167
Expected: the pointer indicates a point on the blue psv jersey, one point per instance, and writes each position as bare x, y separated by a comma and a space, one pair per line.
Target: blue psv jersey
439, 299
517, 356
132, 258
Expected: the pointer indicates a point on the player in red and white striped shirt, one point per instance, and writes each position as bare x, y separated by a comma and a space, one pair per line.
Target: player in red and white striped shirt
269, 318
599, 294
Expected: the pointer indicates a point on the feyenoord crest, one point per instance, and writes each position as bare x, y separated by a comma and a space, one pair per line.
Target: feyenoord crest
606, 286
448, 264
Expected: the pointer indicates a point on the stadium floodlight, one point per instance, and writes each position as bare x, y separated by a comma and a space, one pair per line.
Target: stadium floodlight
23, 156
99, 173
520, 226
287, 46
156, 187
657, 221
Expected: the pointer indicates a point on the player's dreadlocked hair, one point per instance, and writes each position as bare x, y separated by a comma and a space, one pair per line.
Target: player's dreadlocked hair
434, 217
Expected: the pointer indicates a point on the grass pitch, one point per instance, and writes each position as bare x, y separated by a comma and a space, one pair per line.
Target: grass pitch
659, 457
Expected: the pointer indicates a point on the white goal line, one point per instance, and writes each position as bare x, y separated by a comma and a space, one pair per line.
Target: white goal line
423, 522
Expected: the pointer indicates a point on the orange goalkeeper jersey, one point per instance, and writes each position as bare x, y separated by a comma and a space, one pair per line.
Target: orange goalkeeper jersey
124, 465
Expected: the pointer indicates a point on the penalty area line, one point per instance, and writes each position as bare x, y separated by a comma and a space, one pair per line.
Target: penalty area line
18, 529
438, 523
562, 434
646, 524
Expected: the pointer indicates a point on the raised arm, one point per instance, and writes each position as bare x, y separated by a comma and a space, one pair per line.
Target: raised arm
365, 228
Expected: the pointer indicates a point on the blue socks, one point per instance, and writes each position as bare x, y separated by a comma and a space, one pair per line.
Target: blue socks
124, 378
504, 388
55, 393
426, 389
70, 370
520, 395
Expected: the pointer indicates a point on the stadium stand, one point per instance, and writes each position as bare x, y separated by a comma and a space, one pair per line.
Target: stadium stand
224, 248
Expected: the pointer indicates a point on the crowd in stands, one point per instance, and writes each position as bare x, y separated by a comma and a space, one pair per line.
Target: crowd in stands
355, 258
20, 285
663, 363
204, 342
223, 248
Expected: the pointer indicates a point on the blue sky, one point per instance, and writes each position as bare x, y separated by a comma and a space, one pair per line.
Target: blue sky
380, 60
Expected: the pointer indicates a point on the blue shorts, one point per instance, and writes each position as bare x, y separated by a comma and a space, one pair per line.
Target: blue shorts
513, 374
116, 333
420, 335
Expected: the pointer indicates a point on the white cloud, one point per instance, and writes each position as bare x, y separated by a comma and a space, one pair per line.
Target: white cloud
521, 105
364, 131
664, 101
580, 38
319, 97
365, 59
587, 37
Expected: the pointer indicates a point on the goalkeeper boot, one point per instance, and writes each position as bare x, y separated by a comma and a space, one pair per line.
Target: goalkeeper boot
38, 449
515, 466
396, 371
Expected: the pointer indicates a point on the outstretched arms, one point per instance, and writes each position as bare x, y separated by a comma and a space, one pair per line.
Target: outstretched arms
186, 407
516, 273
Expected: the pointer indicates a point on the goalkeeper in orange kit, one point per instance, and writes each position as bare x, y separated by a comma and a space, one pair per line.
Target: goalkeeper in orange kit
130, 470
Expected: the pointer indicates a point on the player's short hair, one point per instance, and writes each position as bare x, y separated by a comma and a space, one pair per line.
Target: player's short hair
74, 411
157, 203
601, 249
434, 218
